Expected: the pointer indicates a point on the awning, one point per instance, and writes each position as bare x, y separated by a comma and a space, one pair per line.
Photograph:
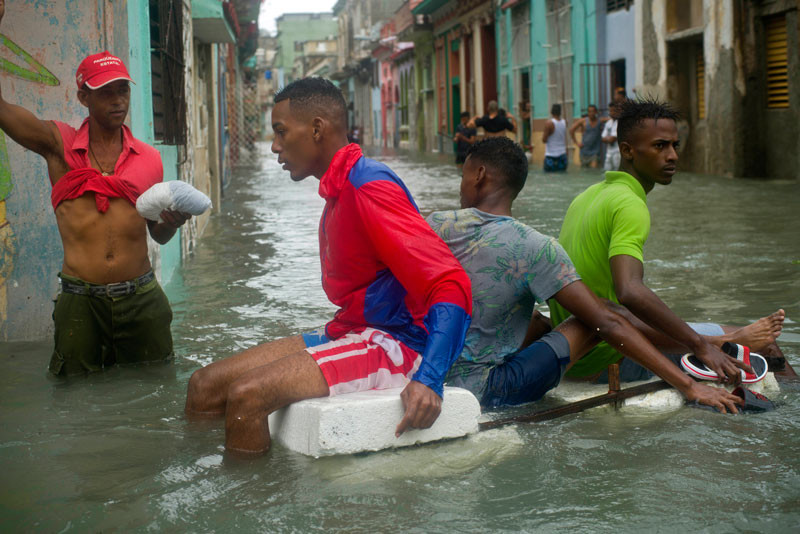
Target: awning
401, 48
428, 6
209, 24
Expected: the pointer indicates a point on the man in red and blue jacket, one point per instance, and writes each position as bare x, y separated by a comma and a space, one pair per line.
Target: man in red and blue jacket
404, 300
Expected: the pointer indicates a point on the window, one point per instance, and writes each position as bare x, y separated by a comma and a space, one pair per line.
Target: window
520, 34
166, 60
684, 15
777, 62
559, 55
616, 5
503, 41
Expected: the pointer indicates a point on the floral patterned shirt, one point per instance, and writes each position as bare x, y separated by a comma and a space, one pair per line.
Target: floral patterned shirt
512, 267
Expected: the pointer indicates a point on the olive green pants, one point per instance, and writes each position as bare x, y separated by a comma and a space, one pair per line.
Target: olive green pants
93, 332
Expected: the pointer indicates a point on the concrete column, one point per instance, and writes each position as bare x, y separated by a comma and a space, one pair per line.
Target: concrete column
477, 64
462, 82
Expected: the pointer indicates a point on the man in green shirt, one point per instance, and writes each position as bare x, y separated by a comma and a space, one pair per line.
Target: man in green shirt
604, 232
510, 356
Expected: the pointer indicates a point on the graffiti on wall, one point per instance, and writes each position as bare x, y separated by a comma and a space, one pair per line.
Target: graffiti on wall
37, 73
7, 242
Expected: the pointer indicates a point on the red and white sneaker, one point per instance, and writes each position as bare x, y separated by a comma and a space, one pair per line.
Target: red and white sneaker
694, 367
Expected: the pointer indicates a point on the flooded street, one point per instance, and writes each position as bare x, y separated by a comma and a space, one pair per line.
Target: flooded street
113, 451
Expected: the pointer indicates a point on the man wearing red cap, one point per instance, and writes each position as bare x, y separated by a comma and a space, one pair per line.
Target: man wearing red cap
111, 308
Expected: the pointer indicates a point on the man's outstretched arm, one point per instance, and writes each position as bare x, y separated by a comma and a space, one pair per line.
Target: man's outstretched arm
29, 131
578, 125
579, 300
23, 127
632, 293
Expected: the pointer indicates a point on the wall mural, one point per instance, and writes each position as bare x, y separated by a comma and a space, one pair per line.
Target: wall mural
37, 73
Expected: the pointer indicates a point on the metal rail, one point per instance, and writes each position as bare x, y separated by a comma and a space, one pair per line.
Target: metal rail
612, 397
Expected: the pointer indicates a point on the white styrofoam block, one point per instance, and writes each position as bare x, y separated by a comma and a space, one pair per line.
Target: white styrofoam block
571, 391
366, 421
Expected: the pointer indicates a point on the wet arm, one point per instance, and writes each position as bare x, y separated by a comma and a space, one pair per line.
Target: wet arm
548, 131
26, 129
632, 293
513, 122
620, 334
539, 326
573, 130
163, 231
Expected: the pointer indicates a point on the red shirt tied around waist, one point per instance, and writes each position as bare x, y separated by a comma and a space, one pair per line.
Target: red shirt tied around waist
137, 169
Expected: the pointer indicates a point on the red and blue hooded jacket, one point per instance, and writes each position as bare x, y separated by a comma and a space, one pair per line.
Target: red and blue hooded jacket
386, 268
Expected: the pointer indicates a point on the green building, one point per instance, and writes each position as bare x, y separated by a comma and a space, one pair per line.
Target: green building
295, 28
547, 54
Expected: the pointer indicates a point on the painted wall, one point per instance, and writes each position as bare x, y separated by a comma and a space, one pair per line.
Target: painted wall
165, 259
540, 101
620, 43
584, 48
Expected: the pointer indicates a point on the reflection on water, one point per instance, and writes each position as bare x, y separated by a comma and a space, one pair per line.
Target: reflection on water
113, 452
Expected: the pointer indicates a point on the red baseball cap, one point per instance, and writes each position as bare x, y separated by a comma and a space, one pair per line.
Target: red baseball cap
100, 69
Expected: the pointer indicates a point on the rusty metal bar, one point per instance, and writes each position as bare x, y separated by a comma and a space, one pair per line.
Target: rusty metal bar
576, 407
613, 381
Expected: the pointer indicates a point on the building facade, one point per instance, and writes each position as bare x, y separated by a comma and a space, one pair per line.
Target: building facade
733, 70
299, 27
408, 70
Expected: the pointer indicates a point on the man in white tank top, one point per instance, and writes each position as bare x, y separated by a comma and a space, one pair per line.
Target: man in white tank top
555, 140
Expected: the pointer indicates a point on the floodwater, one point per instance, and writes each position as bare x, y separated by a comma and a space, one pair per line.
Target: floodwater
112, 452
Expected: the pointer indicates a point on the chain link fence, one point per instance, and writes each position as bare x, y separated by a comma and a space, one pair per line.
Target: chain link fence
245, 127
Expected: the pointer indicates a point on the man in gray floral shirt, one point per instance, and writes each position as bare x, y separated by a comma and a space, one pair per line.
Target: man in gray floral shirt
509, 356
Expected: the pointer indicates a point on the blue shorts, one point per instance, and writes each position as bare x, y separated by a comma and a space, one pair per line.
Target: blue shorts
555, 163
526, 375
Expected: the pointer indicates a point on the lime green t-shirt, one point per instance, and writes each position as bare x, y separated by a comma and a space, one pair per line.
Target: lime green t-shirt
608, 219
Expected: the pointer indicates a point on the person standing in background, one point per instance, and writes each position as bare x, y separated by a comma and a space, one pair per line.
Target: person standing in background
555, 140
609, 137
591, 144
525, 117
464, 138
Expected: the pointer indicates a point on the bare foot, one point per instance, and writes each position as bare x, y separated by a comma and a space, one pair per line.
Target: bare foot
760, 334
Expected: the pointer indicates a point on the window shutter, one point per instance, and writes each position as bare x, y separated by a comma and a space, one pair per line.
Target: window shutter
701, 84
777, 62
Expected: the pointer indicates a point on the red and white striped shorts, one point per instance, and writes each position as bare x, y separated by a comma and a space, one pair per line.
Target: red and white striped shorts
365, 359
